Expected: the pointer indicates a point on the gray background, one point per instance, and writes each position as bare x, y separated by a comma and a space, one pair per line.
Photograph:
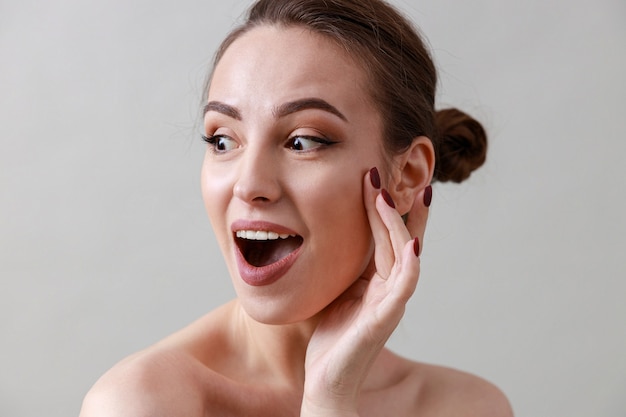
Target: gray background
105, 247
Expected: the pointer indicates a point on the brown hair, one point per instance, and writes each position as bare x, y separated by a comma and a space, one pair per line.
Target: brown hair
401, 73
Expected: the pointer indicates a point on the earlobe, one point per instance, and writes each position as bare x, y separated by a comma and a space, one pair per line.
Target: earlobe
415, 169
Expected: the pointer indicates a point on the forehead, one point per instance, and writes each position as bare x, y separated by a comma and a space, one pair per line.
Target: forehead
285, 62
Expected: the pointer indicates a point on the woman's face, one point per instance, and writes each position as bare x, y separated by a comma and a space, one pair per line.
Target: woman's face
292, 133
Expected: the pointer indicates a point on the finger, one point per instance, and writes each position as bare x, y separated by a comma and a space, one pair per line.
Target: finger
400, 286
383, 251
397, 233
407, 272
418, 215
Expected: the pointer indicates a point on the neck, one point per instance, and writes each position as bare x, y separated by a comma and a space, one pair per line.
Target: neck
274, 352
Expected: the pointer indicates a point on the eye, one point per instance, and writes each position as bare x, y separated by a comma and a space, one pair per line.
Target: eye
220, 143
307, 143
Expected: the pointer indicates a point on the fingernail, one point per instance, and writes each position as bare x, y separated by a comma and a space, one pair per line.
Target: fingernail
388, 198
375, 178
416, 246
428, 196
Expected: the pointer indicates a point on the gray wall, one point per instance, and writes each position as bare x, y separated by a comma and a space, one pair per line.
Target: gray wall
105, 248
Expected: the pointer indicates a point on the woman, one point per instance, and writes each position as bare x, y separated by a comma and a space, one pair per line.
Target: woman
321, 133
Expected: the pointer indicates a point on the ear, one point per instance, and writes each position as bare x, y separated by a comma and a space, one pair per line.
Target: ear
412, 172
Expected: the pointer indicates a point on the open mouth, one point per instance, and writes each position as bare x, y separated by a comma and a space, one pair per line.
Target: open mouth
261, 248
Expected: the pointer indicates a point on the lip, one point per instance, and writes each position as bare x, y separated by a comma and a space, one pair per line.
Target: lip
268, 274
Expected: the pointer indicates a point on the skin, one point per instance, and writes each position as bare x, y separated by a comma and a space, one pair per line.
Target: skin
312, 342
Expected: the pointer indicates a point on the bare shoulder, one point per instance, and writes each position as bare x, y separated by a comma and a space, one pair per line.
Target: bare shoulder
165, 379
449, 392
401, 387
150, 383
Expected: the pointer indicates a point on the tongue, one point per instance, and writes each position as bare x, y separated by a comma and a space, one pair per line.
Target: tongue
265, 252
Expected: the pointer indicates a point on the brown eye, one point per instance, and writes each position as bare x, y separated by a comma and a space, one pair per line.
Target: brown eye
306, 143
220, 143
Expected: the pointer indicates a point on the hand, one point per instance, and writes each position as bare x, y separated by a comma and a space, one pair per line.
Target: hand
356, 326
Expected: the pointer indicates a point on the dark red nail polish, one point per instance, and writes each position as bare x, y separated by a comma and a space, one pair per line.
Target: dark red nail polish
388, 198
428, 196
375, 178
416, 246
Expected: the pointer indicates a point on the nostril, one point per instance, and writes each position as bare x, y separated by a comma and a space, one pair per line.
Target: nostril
258, 179
257, 191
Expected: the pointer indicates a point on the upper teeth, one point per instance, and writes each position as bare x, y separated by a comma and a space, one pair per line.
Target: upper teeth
261, 235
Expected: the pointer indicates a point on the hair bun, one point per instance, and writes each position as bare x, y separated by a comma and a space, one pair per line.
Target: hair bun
461, 145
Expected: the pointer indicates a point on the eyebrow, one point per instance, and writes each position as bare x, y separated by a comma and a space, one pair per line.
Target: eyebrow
223, 108
305, 104
283, 110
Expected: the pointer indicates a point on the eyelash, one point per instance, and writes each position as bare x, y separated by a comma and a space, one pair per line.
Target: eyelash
213, 141
322, 141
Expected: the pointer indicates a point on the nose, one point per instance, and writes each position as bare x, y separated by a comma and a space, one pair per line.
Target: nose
258, 177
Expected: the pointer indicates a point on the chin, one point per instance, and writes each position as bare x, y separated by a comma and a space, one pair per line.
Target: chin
277, 310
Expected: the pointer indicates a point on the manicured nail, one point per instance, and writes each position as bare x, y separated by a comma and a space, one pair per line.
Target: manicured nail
416, 246
388, 198
428, 196
375, 178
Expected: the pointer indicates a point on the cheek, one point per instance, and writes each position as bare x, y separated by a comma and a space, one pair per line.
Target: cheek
340, 231
215, 188
334, 193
